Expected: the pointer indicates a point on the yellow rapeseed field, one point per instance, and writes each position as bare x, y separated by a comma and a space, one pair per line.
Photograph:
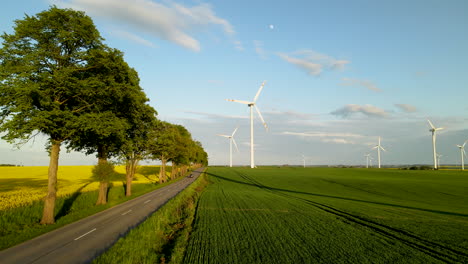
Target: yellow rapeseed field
22, 185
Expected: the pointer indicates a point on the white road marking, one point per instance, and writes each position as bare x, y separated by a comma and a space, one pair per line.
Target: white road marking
127, 212
85, 234
147, 201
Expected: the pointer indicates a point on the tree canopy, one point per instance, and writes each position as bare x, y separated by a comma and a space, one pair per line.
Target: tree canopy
59, 79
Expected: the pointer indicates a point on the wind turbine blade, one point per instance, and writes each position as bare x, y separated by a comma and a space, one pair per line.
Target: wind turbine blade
464, 153
461, 146
261, 118
430, 123
224, 136
239, 101
465, 143
234, 141
382, 148
234, 131
259, 91
439, 128
375, 147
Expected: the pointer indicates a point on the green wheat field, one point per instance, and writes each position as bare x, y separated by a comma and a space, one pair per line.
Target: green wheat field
330, 215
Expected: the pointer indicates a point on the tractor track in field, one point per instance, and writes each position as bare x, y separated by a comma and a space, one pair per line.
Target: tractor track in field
438, 251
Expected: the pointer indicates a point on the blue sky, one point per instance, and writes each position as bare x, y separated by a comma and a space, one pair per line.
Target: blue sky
339, 74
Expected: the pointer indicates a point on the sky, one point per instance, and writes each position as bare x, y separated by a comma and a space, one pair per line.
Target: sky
338, 74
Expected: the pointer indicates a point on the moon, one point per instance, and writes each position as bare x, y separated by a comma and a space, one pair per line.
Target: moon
271, 27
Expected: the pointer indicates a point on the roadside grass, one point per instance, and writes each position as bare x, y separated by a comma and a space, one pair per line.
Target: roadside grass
331, 215
23, 188
163, 237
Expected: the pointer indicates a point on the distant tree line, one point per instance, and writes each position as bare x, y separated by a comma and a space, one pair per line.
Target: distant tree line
59, 79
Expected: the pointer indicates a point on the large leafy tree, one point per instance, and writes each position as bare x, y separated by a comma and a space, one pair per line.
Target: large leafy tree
162, 145
183, 151
119, 109
143, 122
44, 82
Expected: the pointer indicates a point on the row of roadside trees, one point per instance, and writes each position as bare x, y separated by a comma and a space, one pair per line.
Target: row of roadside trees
59, 79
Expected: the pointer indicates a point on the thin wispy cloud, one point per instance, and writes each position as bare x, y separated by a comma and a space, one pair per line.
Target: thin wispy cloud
322, 134
312, 62
132, 37
407, 108
360, 83
170, 21
238, 45
259, 49
354, 109
291, 115
337, 138
215, 116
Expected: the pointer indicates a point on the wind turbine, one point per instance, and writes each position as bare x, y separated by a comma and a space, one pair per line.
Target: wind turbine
231, 140
462, 153
303, 160
367, 160
370, 161
379, 147
433, 130
438, 159
252, 104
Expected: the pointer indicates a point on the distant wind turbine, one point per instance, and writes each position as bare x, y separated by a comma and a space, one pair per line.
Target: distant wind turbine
370, 161
252, 104
433, 130
303, 160
438, 159
462, 154
231, 140
379, 147
367, 160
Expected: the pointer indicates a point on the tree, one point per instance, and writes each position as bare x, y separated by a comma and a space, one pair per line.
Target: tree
181, 159
143, 122
44, 86
162, 145
118, 101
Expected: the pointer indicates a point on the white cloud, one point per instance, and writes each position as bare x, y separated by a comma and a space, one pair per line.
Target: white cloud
312, 62
169, 21
132, 37
362, 83
367, 110
406, 108
259, 49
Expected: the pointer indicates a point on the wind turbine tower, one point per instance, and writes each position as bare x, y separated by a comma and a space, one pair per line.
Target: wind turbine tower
303, 160
438, 159
379, 147
434, 134
251, 105
367, 160
462, 154
231, 140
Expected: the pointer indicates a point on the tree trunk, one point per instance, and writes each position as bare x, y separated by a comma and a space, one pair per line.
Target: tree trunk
130, 170
103, 184
173, 171
49, 201
162, 172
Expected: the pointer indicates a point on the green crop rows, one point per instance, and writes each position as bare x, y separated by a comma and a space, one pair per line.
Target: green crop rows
329, 215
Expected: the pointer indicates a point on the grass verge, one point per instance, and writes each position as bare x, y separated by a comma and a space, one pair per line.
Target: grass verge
20, 224
163, 237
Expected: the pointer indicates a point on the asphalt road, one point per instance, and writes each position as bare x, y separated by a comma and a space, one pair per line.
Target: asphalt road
82, 241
